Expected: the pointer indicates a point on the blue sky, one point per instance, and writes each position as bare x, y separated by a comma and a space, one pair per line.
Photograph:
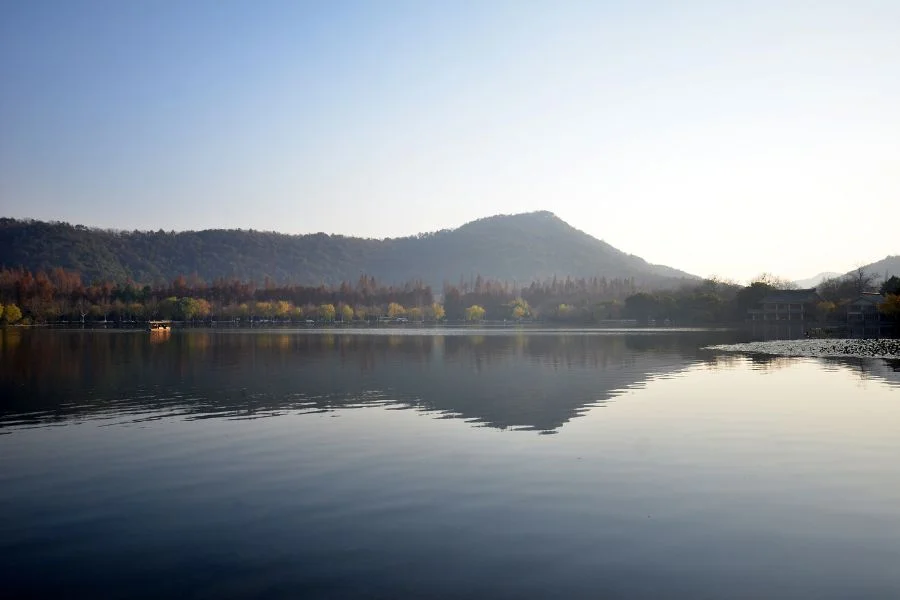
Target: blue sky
716, 137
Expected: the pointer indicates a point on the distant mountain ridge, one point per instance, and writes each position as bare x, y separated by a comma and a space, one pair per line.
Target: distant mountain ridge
815, 280
522, 248
885, 268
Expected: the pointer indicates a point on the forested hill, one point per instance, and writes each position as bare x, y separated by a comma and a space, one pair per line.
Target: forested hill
522, 248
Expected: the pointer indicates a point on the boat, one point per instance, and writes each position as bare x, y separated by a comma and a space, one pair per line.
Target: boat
159, 326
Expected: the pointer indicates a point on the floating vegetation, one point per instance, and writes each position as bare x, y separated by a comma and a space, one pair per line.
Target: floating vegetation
883, 348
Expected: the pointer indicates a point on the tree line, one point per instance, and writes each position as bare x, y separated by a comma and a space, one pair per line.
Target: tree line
60, 295
716, 301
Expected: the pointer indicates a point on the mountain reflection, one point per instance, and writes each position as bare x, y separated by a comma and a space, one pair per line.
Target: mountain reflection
514, 380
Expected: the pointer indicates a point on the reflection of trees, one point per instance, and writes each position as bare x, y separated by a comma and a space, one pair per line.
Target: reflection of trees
10, 339
767, 362
884, 370
866, 368
536, 381
722, 361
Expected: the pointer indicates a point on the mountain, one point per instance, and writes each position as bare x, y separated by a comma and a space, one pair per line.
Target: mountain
522, 248
814, 281
884, 268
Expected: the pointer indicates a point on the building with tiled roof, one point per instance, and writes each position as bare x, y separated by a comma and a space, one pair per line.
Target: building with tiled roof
786, 305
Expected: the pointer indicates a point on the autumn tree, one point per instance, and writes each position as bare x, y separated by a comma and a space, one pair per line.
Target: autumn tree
395, 310
192, 308
565, 311
283, 309
188, 308
520, 309
264, 309
244, 310
891, 306
347, 313
12, 314
437, 311
474, 313
203, 308
137, 310
327, 312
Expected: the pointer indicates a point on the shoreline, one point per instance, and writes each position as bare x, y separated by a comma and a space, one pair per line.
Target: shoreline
468, 329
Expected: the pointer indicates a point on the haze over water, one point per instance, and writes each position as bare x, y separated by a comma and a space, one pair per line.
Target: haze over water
466, 464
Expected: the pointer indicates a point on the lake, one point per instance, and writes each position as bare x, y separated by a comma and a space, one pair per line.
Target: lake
457, 464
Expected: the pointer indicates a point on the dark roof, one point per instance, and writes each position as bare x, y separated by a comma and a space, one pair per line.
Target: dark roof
792, 296
874, 298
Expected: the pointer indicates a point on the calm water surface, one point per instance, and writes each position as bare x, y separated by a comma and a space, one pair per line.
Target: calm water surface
499, 465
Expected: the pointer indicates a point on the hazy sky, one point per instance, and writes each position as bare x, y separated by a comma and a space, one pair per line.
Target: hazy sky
719, 137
